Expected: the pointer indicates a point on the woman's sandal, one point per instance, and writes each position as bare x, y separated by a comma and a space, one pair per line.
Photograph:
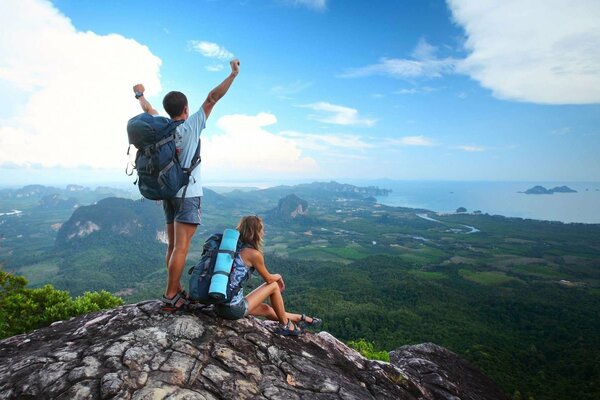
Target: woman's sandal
285, 330
314, 322
176, 303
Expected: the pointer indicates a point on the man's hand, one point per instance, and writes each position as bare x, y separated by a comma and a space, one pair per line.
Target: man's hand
235, 66
139, 88
146, 106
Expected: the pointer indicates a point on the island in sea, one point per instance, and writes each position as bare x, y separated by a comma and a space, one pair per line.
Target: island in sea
542, 190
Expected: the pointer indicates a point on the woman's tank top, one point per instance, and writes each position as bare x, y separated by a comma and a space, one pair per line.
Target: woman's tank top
239, 276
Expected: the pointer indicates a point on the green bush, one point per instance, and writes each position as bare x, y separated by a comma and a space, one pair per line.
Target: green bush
23, 310
367, 350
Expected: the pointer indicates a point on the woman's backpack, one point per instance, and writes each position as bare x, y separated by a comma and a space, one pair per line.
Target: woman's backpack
201, 275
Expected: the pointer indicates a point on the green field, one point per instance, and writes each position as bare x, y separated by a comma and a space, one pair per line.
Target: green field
435, 276
486, 277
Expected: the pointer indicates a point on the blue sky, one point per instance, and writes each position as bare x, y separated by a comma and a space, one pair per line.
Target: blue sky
455, 90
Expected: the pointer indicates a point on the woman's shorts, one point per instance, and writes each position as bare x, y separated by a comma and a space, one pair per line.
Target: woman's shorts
232, 311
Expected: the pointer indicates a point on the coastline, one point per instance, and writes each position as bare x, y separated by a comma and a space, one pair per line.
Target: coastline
498, 198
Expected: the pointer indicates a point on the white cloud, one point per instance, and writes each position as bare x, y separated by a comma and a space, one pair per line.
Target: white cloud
404, 68
565, 130
78, 98
470, 148
541, 51
424, 50
214, 67
338, 115
423, 64
245, 146
287, 90
416, 90
412, 141
210, 49
319, 5
325, 142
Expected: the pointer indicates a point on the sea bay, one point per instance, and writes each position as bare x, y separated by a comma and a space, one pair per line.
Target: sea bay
497, 198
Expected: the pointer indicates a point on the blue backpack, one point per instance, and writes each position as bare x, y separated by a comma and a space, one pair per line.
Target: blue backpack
160, 174
201, 274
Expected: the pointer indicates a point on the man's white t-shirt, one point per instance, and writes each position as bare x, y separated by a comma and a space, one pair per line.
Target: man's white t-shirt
188, 138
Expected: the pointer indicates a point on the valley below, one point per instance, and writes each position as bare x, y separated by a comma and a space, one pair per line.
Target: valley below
518, 298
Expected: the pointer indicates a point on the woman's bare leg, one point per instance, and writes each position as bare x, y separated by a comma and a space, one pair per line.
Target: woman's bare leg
275, 312
265, 310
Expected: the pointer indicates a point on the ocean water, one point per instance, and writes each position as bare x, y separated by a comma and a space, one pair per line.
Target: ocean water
497, 198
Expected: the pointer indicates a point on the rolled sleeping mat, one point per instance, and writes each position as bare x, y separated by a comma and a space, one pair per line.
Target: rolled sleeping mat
220, 278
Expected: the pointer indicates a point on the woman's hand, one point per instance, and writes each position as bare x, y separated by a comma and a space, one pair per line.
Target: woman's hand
281, 285
279, 279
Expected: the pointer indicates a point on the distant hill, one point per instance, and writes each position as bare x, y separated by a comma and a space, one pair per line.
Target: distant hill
113, 218
288, 208
315, 191
113, 245
50, 197
542, 190
56, 201
344, 188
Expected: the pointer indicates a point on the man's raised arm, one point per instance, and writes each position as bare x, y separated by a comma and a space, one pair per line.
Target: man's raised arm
218, 92
139, 94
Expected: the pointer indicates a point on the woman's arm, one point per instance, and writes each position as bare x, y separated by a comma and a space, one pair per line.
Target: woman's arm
257, 260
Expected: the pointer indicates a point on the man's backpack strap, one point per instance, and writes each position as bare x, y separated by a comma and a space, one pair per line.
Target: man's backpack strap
162, 173
165, 140
171, 125
195, 162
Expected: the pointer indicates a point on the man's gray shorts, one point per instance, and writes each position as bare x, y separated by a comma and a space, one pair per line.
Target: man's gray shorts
186, 210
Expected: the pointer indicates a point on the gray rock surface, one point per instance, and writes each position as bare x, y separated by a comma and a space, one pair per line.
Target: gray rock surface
441, 374
139, 352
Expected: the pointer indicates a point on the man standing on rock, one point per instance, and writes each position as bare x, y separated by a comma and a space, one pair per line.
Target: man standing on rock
182, 215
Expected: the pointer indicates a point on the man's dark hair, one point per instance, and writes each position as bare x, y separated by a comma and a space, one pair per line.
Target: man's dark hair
174, 103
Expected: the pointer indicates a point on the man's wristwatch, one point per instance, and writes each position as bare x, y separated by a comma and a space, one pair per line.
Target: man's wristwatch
139, 94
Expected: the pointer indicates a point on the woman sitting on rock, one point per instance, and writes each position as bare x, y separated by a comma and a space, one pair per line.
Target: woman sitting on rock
251, 235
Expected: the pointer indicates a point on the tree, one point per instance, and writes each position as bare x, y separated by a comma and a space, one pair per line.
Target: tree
367, 350
23, 310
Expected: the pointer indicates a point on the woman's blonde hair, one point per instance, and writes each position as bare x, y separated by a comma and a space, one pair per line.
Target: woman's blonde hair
250, 228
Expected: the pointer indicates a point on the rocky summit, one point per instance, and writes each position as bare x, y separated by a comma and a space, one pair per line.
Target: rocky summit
139, 352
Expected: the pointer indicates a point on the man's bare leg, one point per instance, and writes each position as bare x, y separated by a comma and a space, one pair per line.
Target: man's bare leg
170, 246
182, 237
170, 228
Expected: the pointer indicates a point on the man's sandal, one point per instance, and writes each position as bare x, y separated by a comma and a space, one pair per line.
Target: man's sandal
176, 303
286, 330
314, 322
